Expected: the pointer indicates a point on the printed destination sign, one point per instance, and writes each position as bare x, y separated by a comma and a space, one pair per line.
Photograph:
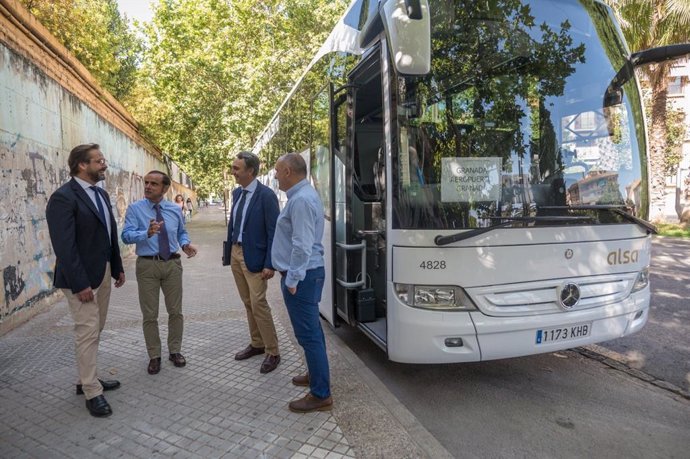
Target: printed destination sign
470, 179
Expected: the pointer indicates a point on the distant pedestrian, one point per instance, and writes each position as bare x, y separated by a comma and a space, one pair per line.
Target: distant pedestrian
190, 209
250, 235
83, 233
157, 228
179, 202
297, 253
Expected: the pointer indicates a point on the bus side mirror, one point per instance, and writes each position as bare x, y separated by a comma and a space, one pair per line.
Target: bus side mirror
659, 54
409, 32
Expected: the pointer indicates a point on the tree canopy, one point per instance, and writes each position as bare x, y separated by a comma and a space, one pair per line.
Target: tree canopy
99, 37
215, 71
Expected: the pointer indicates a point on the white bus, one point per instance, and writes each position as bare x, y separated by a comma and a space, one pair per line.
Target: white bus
484, 175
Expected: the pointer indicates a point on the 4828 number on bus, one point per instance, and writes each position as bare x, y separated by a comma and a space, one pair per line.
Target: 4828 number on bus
433, 264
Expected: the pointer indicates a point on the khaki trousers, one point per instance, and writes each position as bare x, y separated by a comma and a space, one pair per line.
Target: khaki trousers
152, 277
89, 320
252, 289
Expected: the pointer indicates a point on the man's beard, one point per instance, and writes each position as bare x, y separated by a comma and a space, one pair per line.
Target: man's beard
98, 176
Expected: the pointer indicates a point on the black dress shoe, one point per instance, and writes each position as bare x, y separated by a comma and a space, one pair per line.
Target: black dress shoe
249, 351
154, 366
270, 363
178, 359
99, 407
107, 385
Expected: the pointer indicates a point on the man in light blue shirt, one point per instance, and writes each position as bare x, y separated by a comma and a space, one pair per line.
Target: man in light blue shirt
157, 228
297, 253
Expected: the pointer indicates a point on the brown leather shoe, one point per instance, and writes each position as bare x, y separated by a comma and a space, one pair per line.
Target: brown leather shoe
270, 363
249, 351
310, 403
301, 380
154, 366
178, 359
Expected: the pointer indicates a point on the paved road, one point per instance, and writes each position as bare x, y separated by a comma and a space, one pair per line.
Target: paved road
563, 404
662, 348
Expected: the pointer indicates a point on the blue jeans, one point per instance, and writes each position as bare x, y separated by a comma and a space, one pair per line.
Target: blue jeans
303, 309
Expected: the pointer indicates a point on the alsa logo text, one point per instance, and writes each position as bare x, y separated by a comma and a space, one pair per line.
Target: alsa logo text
622, 257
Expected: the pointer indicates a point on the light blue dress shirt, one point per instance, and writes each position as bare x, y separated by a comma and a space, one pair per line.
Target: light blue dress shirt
297, 241
139, 215
251, 188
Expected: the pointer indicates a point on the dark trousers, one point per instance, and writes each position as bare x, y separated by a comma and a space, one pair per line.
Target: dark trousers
303, 309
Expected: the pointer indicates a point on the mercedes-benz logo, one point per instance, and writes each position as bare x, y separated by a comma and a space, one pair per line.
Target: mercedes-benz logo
569, 296
569, 254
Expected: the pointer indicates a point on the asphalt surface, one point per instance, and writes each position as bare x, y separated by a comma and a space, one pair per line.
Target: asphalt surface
662, 347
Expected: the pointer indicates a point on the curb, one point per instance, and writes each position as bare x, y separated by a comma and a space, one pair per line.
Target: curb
618, 362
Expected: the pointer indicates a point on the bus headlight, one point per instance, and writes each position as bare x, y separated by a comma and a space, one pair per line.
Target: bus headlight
438, 297
642, 280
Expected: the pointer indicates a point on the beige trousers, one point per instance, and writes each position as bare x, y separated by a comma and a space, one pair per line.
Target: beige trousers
252, 289
89, 320
152, 277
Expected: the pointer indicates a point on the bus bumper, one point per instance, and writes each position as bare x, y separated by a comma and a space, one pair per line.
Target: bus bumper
419, 336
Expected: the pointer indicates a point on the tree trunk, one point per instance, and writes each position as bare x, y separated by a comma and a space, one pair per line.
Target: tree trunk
657, 143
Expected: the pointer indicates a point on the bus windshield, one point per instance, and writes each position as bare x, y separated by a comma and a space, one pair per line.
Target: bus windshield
519, 117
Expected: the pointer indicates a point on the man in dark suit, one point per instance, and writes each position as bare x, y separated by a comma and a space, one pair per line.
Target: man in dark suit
83, 232
250, 236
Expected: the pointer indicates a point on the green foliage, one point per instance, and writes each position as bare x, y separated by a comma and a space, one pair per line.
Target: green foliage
98, 36
215, 71
673, 230
675, 136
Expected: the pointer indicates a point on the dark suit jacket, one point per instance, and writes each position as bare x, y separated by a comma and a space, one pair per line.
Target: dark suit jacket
80, 239
259, 227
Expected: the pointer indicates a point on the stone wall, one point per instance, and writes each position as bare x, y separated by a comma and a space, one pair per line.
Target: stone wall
49, 103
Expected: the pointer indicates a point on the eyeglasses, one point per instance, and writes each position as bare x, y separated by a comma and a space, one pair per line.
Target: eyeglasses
102, 162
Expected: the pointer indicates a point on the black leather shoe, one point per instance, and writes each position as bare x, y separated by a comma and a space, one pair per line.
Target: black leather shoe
270, 363
154, 366
107, 385
99, 407
178, 359
249, 351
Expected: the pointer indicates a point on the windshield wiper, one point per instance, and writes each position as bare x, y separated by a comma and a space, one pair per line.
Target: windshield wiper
618, 210
445, 240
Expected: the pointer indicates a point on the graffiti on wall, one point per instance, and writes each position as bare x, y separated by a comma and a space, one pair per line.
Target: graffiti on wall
40, 122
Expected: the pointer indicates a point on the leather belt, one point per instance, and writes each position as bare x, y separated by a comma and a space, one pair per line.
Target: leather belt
173, 256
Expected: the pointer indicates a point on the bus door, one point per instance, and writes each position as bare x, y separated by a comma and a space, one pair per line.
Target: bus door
359, 178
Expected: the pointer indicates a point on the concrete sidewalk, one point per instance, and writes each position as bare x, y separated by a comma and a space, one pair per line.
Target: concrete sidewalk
215, 406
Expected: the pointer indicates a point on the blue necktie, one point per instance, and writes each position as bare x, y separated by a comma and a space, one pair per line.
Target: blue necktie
237, 224
163, 242
101, 210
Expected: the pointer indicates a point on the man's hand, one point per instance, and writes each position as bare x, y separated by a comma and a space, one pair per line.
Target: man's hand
154, 227
120, 281
292, 290
86, 295
189, 249
267, 273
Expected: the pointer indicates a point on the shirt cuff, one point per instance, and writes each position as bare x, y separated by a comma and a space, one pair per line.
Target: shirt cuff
291, 282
